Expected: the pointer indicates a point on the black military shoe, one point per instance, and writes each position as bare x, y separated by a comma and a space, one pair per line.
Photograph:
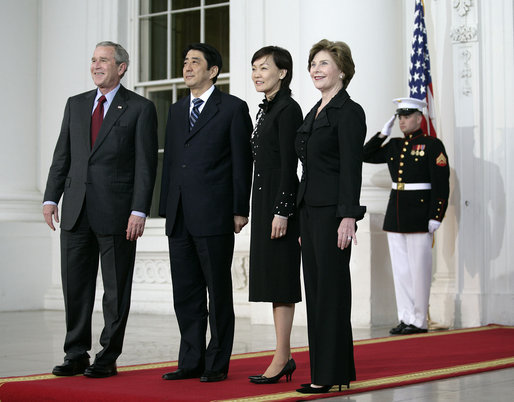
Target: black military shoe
398, 329
412, 329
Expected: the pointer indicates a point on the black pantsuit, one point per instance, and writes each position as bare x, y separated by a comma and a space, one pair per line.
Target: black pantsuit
328, 291
330, 148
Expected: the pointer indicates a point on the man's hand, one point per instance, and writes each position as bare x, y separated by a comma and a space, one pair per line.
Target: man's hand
239, 223
135, 227
50, 212
386, 130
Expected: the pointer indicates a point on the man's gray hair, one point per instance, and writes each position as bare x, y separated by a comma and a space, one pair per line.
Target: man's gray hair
120, 54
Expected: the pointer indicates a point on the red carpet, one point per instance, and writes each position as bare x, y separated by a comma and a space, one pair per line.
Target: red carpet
381, 363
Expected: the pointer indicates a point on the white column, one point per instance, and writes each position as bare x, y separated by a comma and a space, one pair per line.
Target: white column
19, 197
468, 163
24, 241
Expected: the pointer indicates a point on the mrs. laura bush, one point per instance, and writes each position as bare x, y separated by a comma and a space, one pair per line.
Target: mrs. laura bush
329, 145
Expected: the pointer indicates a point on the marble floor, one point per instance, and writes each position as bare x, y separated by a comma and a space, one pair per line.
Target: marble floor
31, 342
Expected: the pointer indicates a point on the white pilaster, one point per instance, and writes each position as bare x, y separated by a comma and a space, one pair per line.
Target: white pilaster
468, 171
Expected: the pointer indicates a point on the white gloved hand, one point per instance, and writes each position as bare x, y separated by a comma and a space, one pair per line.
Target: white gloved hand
388, 126
433, 225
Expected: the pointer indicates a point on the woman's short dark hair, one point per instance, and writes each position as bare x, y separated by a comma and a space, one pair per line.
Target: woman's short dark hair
211, 54
341, 54
282, 59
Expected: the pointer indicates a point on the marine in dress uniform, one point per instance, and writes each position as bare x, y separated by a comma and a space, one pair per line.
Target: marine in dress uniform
419, 169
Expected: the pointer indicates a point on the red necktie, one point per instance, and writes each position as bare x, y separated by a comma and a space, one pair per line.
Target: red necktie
96, 119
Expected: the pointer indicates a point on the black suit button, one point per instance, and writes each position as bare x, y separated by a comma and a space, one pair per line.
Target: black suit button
184, 166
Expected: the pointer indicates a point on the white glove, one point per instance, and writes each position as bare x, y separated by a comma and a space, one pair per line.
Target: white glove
388, 126
433, 225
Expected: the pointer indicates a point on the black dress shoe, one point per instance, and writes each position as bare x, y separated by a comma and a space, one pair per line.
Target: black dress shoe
213, 376
181, 374
309, 389
71, 367
312, 390
398, 329
100, 371
412, 329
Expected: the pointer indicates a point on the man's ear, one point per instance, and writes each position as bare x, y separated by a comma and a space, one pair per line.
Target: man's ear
214, 72
122, 67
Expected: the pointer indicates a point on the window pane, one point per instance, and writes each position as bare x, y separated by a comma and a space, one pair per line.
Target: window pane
186, 30
162, 101
153, 48
223, 88
180, 4
217, 33
181, 92
153, 6
209, 2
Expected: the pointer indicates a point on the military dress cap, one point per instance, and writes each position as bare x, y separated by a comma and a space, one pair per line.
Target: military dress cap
406, 106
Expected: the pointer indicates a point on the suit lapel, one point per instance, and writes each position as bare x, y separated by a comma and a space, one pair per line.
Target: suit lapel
185, 102
209, 111
117, 108
86, 106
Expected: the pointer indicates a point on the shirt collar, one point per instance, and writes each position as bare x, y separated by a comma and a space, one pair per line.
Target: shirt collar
109, 96
205, 97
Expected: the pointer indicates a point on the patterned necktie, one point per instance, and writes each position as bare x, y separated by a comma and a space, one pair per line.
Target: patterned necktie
96, 119
195, 112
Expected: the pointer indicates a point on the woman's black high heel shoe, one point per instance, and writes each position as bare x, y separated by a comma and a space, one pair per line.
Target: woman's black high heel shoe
287, 371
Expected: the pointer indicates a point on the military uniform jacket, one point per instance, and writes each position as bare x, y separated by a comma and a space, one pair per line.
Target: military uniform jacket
416, 158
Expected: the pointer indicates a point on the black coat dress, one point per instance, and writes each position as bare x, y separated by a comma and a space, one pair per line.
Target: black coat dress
275, 264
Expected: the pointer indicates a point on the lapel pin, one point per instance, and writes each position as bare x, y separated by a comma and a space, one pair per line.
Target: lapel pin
120, 107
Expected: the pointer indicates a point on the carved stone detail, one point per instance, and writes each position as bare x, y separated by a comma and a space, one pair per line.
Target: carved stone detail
466, 73
464, 34
156, 270
462, 6
240, 269
152, 270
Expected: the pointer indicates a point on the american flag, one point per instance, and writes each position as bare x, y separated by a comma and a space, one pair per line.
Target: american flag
420, 81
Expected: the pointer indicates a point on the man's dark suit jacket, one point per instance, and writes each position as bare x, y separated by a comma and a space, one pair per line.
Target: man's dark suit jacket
118, 174
209, 168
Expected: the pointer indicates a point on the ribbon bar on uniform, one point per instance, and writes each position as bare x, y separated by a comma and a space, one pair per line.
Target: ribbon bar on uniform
411, 186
